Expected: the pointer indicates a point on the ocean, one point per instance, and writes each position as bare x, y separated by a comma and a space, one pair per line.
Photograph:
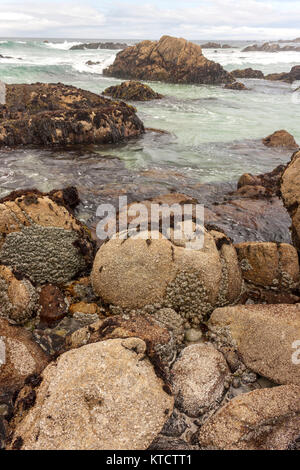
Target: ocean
212, 135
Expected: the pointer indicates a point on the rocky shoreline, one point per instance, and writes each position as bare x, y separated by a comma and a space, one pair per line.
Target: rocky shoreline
144, 343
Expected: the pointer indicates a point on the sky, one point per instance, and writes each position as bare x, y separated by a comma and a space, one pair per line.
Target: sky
135, 19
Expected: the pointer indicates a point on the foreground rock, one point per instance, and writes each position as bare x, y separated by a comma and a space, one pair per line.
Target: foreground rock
168, 273
267, 419
281, 139
99, 45
290, 77
18, 297
248, 73
41, 239
20, 358
48, 114
199, 376
271, 271
132, 90
263, 336
104, 396
269, 181
170, 60
290, 191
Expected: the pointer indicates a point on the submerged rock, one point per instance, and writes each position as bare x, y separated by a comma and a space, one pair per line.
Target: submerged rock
168, 272
41, 239
236, 86
103, 396
131, 90
267, 419
290, 191
264, 337
281, 139
57, 114
248, 73
170, 60
198, 379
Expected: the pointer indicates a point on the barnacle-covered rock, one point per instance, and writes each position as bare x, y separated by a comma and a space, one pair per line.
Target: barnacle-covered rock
135, 273
41, 239
290, 191
103, 396
57, 114
265, 338
132, 90
267, 419
170, 59
18, 297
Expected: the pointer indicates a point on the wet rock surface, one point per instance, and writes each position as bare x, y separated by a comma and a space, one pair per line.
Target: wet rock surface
99, 45
248, 73
238, 86
281, 139
292, 76
170, 60
110, 384
132, 91
61, 115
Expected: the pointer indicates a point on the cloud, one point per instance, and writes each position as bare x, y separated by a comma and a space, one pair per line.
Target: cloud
202, 19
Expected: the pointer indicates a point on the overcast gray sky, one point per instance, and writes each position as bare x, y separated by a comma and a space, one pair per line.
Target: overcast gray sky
202, 19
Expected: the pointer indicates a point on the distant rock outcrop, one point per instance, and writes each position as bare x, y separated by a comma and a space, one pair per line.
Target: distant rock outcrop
169, 60
132, 90
268, 47
289, 77
99, 45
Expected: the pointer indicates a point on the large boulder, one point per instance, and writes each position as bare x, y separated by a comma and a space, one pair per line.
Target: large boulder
20, 357
132, 90
57, 114
290, 77
103, 396
41, 239
290, 191
281, 139
170, 60
135, 273
267, 419
198, 378
263, 336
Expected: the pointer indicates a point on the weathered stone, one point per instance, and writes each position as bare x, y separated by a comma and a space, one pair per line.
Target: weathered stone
99, 45
131, 90
270, 265
264, 336
290, 191
191, 281
102, 396
270, 181
57, 114
83, 307
267, 419
292, 76
18, 297
281, 139
20, 357
41, 239
169, 60
198, 378
53, 306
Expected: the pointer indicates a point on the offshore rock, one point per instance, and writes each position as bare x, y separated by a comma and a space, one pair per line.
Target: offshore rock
281, 139
131, 90
170, 60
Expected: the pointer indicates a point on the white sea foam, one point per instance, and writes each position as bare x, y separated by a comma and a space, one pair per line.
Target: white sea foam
64, 46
